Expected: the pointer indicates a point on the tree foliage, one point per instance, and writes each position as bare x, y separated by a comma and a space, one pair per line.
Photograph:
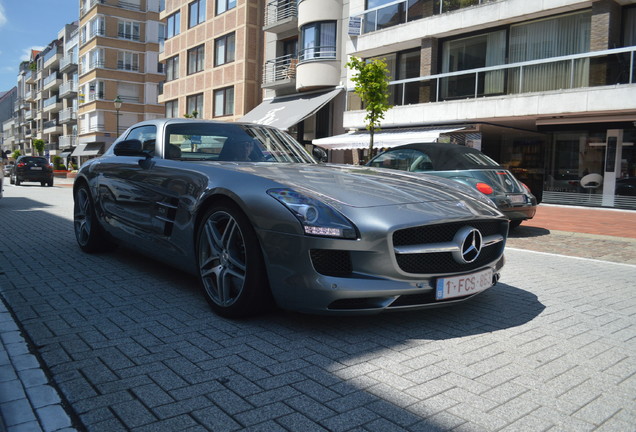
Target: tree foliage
38, 144
16, 154
372, 85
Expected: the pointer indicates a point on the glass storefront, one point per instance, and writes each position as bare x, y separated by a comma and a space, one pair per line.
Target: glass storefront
578, 167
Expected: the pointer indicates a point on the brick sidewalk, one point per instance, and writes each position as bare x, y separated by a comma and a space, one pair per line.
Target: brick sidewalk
602, 221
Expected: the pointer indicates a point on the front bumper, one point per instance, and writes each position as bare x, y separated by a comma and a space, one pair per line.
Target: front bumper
357, 276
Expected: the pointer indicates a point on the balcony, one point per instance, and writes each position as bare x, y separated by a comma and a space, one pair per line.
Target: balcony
403, 11
28, 133
88, 5
52, 58
51, 82
68, 63
52, 146
28, 115
29, 96
281, 16
129, 6
68, 89
51, 127
67, 141
52, 104
280, 72
68, 115
92, 65
30, 76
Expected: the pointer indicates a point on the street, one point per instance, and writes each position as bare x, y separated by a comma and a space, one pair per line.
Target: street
132, 345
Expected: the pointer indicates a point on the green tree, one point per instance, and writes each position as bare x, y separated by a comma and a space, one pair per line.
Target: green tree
372, 85
16, 154
38, 144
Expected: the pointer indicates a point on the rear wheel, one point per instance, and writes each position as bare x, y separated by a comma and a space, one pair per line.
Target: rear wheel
17, 181
88, 232
50, 182
231, 265
42, 183
11, 179
514, 224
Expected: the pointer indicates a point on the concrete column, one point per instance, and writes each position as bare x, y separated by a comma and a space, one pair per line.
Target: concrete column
428, 66
604, 34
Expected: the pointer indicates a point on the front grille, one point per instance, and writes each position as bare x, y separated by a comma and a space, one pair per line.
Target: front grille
443, 232
331, 262
443, 262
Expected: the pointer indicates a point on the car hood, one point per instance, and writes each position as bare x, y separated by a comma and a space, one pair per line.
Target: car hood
360, 186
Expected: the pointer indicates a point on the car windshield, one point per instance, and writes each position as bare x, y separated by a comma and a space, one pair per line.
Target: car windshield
232, 142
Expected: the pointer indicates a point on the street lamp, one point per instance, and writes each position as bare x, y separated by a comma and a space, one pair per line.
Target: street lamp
117, 103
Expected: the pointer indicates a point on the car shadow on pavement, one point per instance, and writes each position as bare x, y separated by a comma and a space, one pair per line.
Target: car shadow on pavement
131, 342
523, 231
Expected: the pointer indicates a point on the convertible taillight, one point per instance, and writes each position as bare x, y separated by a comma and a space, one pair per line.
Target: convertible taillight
484, 188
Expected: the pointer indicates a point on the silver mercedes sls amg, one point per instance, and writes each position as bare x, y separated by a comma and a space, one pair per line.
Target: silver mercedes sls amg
249, 211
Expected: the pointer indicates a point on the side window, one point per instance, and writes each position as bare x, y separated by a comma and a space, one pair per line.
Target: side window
404, 160
147, 135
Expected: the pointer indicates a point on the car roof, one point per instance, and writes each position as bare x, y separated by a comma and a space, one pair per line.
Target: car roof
447, 156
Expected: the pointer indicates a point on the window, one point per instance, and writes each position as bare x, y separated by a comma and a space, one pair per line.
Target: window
318, 40
96, 58
224, 102
474, 52
127, 61
196, 59
224, 48
96, 27
172, 108
172, 68
224, 5
174, 25
197, 12
95, 90
147, 135
194, 105
128, 30
403, 65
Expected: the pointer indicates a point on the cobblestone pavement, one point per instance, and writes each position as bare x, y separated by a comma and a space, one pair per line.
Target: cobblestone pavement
132, 345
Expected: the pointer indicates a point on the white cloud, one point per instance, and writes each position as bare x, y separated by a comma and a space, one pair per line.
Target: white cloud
3, 16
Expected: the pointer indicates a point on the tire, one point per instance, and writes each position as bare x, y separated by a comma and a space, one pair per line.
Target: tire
17, 181
89, 234
50, 183
514, 224
42, 183
11, 179
231, 265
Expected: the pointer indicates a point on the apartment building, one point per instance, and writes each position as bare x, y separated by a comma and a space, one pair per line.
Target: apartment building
119, 71
7, 139
303, 73
213, 57
546, 88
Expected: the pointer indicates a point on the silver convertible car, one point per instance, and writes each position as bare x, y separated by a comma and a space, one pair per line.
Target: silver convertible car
250, 212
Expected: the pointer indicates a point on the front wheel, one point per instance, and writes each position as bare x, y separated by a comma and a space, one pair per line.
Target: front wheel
514, 224
231, 265
17, 181
88, 232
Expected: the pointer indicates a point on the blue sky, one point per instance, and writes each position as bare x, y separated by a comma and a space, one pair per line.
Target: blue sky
26, 24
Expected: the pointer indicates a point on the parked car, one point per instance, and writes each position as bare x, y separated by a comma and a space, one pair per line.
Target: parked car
468, 166
31, 169
6, 170
1, 186
250, 212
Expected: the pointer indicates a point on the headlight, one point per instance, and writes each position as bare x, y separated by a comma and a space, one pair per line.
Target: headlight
316, 217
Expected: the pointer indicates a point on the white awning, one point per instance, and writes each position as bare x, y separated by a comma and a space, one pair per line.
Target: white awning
284, 112
89, 149
382, 139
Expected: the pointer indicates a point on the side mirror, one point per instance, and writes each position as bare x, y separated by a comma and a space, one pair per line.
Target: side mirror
320, 154
131, 147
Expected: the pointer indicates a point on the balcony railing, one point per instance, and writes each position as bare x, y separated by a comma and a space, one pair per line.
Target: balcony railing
67, 88
66, 115
51, 54
129, 6
324, 52
93, 128
129, 36
592, 69
67, 141
279, 10
49, 79
279, 69
402, 11
127, 66
68, 61
88, 5
50, 101
92, 96
92, 65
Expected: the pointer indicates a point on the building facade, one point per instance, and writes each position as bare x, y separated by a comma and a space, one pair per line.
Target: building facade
212, 57
546, 88
303, 72
119, 74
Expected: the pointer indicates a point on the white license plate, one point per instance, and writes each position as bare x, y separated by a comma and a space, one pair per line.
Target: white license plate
459, 286
517, 199
36, 168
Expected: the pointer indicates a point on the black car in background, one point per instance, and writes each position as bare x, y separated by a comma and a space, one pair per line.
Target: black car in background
468, 166
31, 169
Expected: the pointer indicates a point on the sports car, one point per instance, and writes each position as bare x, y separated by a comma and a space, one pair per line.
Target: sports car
247, 209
